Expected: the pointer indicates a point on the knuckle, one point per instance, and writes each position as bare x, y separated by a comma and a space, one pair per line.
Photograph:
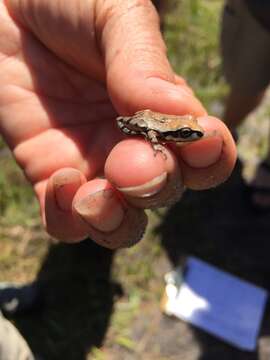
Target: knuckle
114, 12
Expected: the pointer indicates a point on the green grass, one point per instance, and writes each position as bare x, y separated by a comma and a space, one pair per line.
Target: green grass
17, 203
192, 36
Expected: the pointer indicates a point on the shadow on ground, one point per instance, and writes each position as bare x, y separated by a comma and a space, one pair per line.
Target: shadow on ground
220, 227
77, 294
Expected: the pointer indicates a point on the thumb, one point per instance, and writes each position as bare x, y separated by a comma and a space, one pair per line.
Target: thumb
139, 75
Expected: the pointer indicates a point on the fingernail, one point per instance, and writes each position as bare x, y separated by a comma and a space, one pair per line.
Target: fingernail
101, 210
65, 186
147, 189
203, 153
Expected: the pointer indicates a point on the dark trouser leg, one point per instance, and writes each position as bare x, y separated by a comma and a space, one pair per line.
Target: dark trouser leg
238, 106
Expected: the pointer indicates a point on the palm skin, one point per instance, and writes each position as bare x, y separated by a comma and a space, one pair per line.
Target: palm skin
55, 112
56, 117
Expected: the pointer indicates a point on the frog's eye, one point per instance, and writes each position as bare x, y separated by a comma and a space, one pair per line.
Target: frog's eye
185, 132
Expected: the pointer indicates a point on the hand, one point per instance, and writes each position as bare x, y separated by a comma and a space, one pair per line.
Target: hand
67, 69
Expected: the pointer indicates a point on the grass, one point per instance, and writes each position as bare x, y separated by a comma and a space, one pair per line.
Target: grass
192, 35
79, 282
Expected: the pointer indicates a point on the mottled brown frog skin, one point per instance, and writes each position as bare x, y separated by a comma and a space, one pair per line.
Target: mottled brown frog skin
161, 128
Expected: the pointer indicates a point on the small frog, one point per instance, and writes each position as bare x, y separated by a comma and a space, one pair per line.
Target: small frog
161, 128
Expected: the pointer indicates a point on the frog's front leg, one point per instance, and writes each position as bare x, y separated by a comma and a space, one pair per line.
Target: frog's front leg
152, 136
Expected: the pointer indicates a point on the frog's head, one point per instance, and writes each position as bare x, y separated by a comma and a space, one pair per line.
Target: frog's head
189, 130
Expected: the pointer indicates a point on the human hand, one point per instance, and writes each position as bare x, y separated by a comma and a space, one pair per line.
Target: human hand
67, 70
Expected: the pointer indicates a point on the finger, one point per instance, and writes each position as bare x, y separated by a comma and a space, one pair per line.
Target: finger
56, 204
139, 75
181, 82
74, 209
146, 180
105, 217
55, 22
210, 161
